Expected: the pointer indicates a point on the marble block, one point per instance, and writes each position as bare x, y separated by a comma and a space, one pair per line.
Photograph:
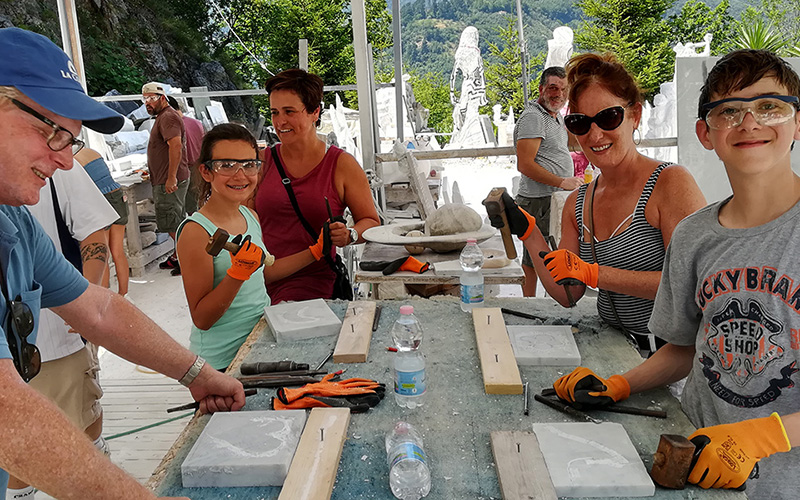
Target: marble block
544, 345
592, 460
302, 320
247, 448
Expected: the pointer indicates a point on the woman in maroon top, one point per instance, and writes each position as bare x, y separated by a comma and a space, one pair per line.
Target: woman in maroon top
300, 272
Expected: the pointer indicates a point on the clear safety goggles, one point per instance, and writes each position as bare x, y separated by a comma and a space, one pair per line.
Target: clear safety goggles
767, 110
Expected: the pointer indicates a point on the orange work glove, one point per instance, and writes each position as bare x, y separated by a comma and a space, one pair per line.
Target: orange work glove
585, 387
728, 459
406, 264
245, 261
323, 245
568, 269
520, 222
325, 387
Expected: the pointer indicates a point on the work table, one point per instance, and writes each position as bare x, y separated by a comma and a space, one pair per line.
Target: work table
458, 415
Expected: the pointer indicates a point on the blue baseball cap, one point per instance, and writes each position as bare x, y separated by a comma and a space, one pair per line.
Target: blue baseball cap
43, 72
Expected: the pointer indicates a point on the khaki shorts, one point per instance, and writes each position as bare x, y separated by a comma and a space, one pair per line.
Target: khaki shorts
169, 207
72, 384
117, 201
540, 209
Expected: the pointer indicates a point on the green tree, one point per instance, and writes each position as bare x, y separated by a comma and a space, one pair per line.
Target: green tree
433, 92
696, 19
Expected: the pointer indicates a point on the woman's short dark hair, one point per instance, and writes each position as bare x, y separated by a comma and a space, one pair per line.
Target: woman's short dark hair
604, 70
739, 69
307, 86
222, 132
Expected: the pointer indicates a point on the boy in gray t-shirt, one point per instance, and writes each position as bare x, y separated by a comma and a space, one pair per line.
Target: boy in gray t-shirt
729, 298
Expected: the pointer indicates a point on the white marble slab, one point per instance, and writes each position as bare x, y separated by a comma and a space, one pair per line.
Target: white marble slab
247, 448
592, 460
302, 320
544, 345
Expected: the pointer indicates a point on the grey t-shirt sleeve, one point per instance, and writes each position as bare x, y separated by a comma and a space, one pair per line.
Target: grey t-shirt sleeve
529, 126
676, 316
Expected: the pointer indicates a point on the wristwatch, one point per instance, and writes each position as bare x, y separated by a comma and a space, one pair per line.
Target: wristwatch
193, 372
353, 235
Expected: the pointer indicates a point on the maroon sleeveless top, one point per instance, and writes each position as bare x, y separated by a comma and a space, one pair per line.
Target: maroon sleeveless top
285, 235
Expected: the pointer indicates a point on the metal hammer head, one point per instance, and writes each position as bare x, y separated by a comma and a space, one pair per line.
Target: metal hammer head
217, 242
672, 461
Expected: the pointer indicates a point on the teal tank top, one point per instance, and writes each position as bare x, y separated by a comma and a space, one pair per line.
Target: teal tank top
219, 344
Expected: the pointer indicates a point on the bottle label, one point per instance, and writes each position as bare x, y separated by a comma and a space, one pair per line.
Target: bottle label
472, 294
409, 383
407, 451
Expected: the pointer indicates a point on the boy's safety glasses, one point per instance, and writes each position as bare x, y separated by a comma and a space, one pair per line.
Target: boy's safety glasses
229, 168
767, 110
607, 119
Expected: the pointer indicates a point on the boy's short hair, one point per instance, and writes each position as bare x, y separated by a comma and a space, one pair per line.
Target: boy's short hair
557, 71
740, 69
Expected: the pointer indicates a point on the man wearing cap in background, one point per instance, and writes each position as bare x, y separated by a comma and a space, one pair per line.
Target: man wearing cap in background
166, 159
42, 108
194, 139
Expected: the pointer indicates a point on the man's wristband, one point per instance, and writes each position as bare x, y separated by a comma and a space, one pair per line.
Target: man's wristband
193, 372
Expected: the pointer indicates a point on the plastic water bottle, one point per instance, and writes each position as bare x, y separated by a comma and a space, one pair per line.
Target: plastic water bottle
409, 364
471, 276
588, 174
409, 476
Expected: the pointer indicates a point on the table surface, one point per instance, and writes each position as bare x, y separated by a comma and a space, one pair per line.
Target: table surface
458, 415
380, 252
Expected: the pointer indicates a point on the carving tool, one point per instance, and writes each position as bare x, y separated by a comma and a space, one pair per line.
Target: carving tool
271, 367
330, 214
495, 207
521, 314
554, 247
322, 363
525, 396
377, 318
267, 376
563, 407
196, 405
613, 408
391, 349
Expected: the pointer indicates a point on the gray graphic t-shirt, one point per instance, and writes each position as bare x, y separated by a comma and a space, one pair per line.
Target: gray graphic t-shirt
735, 295
553, 154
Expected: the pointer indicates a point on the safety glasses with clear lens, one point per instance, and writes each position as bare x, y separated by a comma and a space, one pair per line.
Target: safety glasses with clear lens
767, 110
229, 168
607, 119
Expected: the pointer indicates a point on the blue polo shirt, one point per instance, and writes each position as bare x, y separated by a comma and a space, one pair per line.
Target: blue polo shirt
33, 269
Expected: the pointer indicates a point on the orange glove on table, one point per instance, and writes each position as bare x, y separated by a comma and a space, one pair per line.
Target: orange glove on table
585, 387
325, 387
245, 261
568, 269
734, 449
323, 245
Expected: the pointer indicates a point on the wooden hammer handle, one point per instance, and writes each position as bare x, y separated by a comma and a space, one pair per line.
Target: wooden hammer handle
494, 206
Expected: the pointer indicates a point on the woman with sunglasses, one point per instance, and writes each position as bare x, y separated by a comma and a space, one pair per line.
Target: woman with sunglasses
226, 293
324, 181
614, 230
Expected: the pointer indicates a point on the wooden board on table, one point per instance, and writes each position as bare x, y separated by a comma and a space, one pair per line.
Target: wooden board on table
356, 333
498, 364
521, 469
316, 460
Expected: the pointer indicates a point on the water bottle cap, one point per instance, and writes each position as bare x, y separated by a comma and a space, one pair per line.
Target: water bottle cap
406, 309
472, 240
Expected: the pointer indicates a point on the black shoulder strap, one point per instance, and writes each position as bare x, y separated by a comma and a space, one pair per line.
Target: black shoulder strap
287, 183
69, 247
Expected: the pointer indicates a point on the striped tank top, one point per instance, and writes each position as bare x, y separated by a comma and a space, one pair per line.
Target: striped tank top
639, 247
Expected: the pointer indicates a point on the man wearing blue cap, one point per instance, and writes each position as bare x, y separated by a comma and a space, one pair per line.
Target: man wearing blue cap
42, 109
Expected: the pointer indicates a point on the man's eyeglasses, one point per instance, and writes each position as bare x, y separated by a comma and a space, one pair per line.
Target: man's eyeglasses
27, 358
151, 98
607, 119
60, 137
229, 168
767, 110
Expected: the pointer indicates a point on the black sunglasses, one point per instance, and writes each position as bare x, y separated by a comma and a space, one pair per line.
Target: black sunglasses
607, 119
27, 358
60, 137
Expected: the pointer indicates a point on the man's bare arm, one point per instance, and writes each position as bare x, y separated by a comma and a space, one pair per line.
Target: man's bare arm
175, 151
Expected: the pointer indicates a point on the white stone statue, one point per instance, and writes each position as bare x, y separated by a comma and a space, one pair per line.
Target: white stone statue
469, 63
690, 49
559, 49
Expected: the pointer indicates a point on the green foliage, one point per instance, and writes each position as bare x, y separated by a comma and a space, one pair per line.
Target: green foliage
108, 68
433, 92
696, 19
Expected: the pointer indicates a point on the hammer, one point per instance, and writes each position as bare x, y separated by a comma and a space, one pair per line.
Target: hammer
219, 240
494, 206
675, 458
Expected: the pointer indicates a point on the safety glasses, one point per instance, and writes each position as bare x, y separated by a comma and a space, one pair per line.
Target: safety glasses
607, 119
151, 98
767, 111
229, 168
60, 137
27, 358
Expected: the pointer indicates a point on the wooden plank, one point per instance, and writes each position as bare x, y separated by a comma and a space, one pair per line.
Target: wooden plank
521, 469
356, 333
316, 460
498, 364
